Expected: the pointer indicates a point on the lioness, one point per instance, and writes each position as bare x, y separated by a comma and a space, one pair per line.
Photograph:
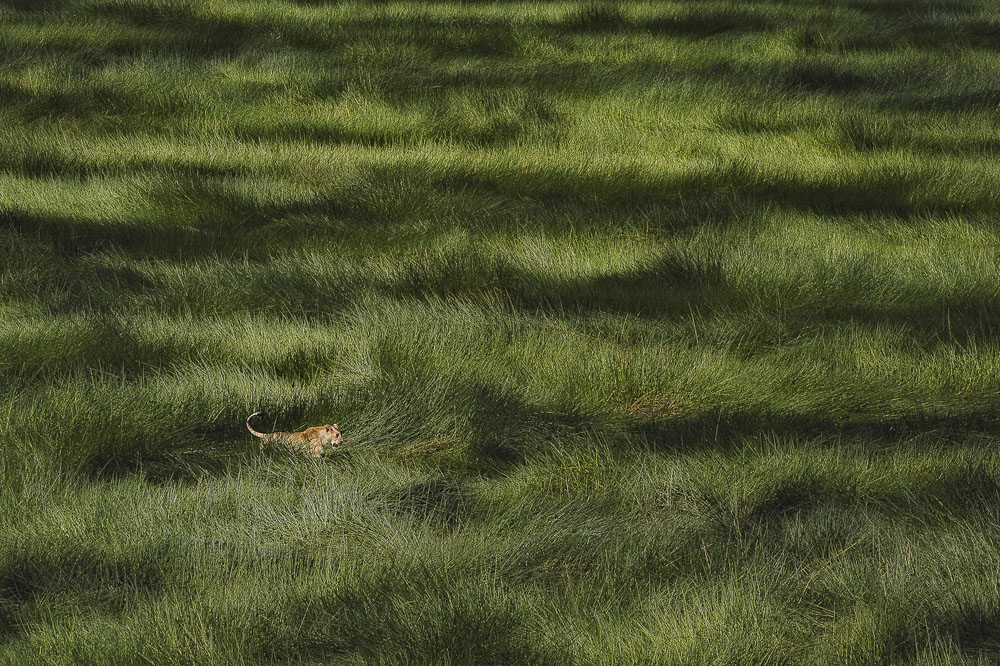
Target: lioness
311, 440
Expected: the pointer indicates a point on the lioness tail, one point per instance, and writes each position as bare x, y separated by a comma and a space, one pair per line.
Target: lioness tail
252, 431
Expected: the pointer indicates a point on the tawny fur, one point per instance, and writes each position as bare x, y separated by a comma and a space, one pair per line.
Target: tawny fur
311, 440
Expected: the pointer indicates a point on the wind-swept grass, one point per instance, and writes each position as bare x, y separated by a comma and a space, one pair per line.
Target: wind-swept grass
659, 332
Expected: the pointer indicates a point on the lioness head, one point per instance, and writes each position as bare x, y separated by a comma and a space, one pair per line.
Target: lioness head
331, 436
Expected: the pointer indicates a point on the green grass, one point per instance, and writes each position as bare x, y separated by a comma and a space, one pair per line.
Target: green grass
659, 332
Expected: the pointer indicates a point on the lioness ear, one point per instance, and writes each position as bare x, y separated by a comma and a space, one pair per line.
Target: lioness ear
336, 427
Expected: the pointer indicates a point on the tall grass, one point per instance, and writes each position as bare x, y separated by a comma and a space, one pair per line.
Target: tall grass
659, 332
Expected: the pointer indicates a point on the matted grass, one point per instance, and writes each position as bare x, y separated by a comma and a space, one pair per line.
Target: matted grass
659, 332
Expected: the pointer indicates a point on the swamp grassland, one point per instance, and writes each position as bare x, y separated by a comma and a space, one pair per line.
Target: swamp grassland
659, 333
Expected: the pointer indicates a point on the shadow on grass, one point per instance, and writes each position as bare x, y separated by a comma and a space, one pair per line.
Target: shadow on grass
179, 29
72, 236
193, 460
96, 102
36, 6
501, 426
969, 97
958, 492
254, 231
733, 188
823, 77
725, 429
692, 22
903, 8
99, 581
972, 628
790, 498
913, 31
418, 618
440, 501
658, 286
